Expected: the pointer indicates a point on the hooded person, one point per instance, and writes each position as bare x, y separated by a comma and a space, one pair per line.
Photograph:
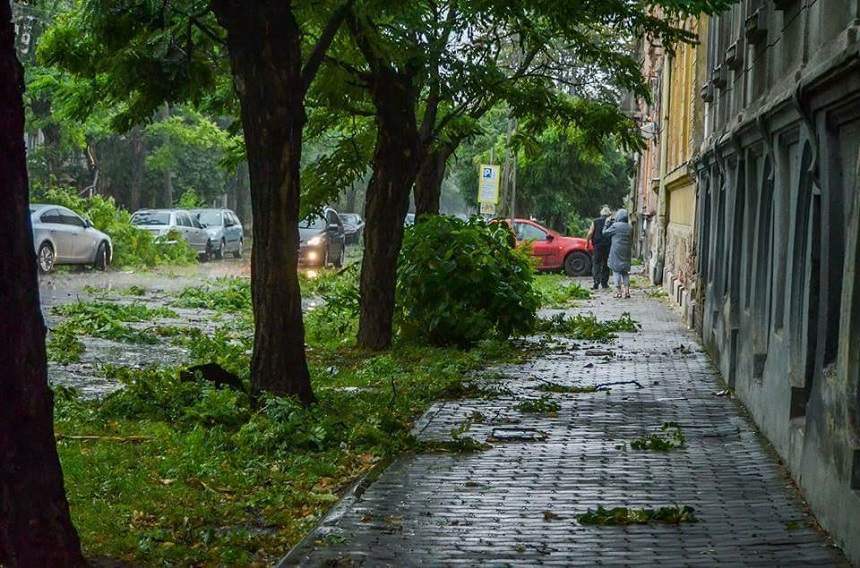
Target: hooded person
619, 231
600, 246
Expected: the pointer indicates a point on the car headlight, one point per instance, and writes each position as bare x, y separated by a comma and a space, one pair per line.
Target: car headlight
316, 241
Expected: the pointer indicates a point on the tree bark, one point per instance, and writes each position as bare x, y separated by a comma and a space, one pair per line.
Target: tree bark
138, 157
35, 526
168, 175
428, 185
395, 166
266, 60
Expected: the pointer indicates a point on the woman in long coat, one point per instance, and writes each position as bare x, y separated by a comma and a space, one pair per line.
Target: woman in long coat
619, 230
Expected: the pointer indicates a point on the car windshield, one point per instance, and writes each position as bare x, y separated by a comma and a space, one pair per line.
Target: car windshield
210, 218
151, 218
349, 218
313, 223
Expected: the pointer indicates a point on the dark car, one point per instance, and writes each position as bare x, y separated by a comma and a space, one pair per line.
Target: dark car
353, 225
322, 240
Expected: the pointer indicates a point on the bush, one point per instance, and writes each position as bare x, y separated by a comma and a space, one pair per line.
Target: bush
462, 281
132, 246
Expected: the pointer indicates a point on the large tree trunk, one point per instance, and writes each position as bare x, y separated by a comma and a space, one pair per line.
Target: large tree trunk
395, 165
266, 61
428, 185
35, 527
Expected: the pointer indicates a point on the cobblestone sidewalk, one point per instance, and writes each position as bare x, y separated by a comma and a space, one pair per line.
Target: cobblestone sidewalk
516, 503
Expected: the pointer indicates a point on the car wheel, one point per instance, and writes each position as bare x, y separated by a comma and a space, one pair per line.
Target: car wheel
101, 260
219, 252
238, 252
577, 264
46, 258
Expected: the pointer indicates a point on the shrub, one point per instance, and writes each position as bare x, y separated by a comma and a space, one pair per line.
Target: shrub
462, 281
132, 246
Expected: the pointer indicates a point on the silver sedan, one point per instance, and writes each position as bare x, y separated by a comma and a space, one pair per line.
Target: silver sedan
61, 236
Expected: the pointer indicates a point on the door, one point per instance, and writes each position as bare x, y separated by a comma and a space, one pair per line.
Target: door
197, 233
53, 226
541, 247
74, 234
232, 231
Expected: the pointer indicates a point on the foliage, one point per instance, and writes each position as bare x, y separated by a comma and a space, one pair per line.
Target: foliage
542, 405
461, 281
557, 291
132, 246
671, 438
64, 346
223, 295
107, 320
566, 389
626, 516
213, 481
588, 327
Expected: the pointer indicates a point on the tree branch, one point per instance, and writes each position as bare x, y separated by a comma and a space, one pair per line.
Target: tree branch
315, 59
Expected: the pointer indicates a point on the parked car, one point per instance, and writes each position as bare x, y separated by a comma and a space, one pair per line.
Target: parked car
61, 236
225, 230
555, 251
322, 240
353, 225
161, 221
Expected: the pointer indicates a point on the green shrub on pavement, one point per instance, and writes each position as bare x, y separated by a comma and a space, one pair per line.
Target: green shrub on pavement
461, 281
132, 246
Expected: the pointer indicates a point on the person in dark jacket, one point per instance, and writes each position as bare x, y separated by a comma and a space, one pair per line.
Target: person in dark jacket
599, 268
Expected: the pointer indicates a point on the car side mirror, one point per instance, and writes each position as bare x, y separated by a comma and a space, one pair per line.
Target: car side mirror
549, 237
87, 223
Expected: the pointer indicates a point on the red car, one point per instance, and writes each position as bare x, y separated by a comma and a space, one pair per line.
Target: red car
555, 251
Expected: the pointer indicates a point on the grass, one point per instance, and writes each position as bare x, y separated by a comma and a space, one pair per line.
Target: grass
558, 291
107, 320
587, 326
181, 473
673, 515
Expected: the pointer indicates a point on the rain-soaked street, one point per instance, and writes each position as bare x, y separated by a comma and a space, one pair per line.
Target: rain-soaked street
517, 502
154, 288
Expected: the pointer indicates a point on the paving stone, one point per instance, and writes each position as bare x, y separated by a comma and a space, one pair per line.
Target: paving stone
489, 507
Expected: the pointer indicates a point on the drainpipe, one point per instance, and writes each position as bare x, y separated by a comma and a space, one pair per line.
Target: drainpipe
663, 198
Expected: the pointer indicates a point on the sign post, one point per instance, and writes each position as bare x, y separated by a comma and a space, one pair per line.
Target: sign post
488, 188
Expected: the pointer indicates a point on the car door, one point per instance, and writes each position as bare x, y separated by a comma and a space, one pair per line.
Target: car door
74, 233
231, 231
198, 235
537, 237
52, 225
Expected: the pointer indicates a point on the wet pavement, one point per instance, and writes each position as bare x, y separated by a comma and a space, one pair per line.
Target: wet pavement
517, 502
159, 287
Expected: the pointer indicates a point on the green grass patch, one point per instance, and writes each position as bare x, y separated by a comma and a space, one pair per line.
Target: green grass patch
181, 473
587, 326
670, 437
63, 346
673, 515
558, 291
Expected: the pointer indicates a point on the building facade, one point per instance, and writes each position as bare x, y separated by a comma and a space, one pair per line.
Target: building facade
777, 220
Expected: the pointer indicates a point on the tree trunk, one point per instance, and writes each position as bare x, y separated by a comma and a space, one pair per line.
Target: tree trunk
138, 157
168, 175
428, 185
266, 60
395, 165
35, 527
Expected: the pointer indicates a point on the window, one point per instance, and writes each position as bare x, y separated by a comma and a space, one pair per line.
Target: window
210, 218
229, 220
69, 218
183, 219
151, 218
526, 232
51, 216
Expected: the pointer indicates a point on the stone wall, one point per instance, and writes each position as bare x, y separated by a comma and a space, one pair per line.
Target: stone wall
777, 223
